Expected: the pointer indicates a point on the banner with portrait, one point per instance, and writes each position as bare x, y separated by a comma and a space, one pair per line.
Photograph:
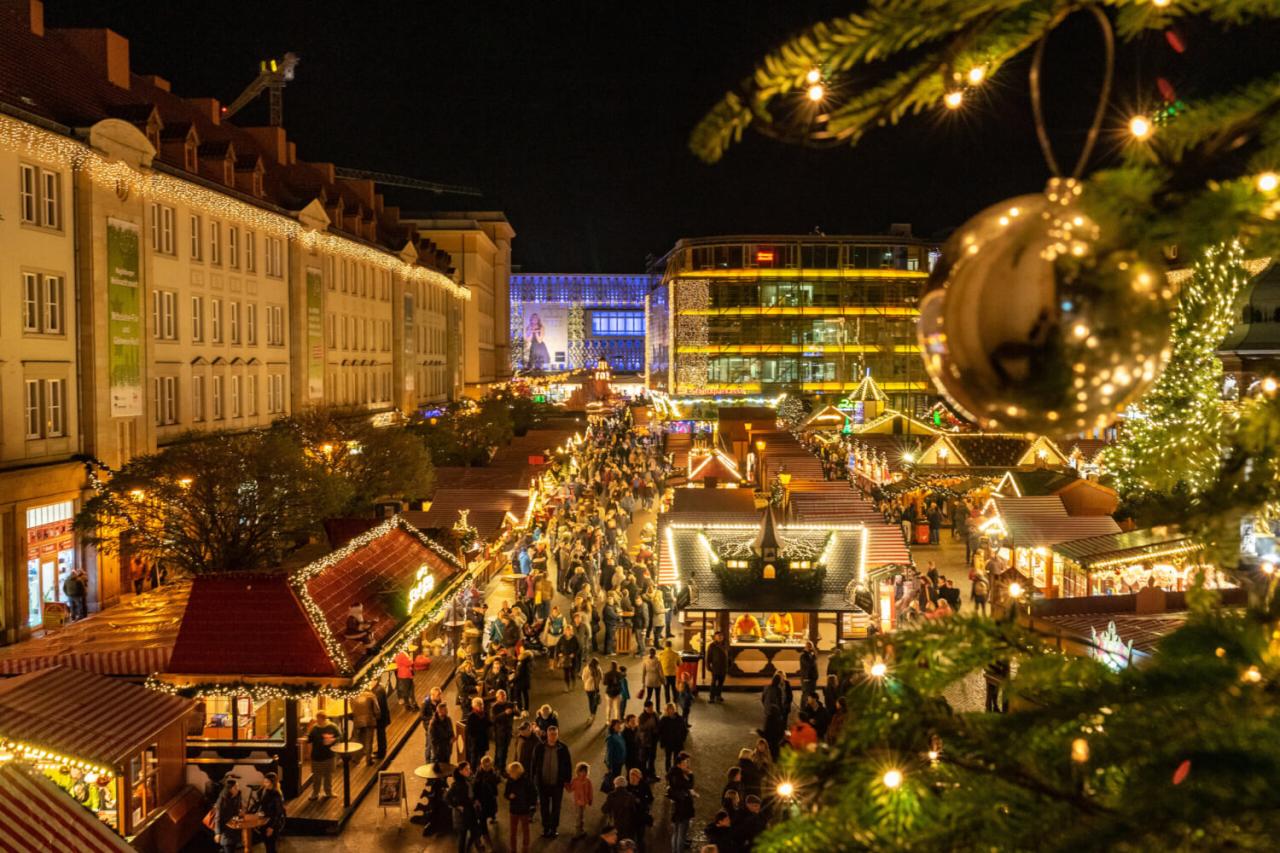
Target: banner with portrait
544, 336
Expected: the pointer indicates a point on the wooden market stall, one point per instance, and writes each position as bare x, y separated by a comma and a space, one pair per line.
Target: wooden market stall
262, 654
115, 750
1119, 563
38, 815
1022, 531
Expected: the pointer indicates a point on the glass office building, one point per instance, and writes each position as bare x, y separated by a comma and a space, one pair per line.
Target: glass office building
571, 321
758, 315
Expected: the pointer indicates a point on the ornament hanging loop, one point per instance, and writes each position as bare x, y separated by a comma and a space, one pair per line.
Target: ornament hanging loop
1104, 95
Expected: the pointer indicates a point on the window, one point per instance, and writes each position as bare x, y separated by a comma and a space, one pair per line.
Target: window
235, 396
217, 398
251, 324
215, 242
275, 257
250, 251
610, 323
197, 237
251, 395
42, 303
144, 771
233, 247
40, 196
275, 393
275, 325
215, 320
162, 220
197, 319
45, 408
166, 397
164, 314
197, 398
233, 320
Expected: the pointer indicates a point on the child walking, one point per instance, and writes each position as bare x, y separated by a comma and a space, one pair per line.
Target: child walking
581, 788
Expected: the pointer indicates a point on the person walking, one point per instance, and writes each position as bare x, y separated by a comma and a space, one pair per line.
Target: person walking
320, 741
502, 714
808, 671
74, 589
476, 729
364, 716
647, 730
522, 801
981, 588
384, 718
613, 692
615, 754
522, 683
591, 682
582, 791
672, 732
568, 657
553, 770
718, 666
466, 808
486, 790
681, 793
669, 659
651, 676
271, 808
684, 697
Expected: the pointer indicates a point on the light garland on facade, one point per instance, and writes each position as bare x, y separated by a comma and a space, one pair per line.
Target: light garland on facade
691, 331
37, 752
53, 148
1173, 551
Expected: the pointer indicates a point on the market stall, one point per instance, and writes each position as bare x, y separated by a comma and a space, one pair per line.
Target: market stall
1021, 532
113, 748
771, 587
1114, 564
263, 654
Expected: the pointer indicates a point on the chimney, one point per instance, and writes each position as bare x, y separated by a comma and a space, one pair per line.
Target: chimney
209, 106
37, 17
272, 142
158, 81
105, 50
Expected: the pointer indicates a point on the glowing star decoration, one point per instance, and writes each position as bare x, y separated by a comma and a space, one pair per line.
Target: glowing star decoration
423, 585
1109, 648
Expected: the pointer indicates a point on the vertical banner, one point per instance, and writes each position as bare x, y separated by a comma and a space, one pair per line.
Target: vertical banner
409, 340
315, 334
124, 319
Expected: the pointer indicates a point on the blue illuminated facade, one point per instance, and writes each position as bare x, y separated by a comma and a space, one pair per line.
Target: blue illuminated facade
570, 321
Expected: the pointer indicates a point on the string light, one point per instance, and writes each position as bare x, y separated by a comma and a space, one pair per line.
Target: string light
1079, 750
1160, 4
68, 153
892, 778
953, 99
977, 74
37, 752
814, 76
786, 790
1015, 590
1268, 181
1140, 128
878, 669
817, 92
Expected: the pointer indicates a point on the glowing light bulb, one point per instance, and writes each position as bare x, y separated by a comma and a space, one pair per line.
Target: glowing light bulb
977, 74
813, 76
1269, 385
1252, 675
1140, 127
817, 92
933, 755
878, 669
1015, 590
1268, 181
1160, 4
786, 789
1079, 750
892, 778
953, 99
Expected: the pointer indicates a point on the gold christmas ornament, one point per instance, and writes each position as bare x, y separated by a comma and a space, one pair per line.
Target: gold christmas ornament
1036, 322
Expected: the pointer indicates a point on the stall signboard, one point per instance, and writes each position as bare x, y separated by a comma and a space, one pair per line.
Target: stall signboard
124, 319
423, 583
544, 336
315, 334
391, 789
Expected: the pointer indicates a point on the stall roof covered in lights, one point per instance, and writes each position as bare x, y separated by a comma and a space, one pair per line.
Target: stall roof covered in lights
717, 466
1135, 546
293, 625
991, 450
1034, 522
84, 716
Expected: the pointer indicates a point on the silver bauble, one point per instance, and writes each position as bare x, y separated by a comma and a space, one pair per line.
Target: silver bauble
1036, 323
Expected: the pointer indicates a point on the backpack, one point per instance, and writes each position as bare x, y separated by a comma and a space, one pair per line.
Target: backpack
979, 587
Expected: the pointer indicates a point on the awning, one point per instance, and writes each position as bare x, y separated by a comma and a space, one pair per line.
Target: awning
1127, 548
36, 814
83, 715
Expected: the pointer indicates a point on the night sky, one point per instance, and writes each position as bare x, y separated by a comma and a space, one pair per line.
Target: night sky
573, 117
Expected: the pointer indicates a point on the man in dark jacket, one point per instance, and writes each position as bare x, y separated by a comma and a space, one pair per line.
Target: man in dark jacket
750, 823
620, 808
808, 671
647, 728
522, 683
552, 770
522, 798
718, 666
440, 736
384, 718
501, 715
476, 729
672, 731
631, 737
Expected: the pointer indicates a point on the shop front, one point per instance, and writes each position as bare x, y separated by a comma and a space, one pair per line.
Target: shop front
262, 655
1125, 563
114, 748
51, 558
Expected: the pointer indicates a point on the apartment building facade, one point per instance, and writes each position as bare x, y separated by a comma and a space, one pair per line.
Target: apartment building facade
165, 271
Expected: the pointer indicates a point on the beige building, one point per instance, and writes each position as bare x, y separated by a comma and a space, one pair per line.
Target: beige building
480, 244
164, 271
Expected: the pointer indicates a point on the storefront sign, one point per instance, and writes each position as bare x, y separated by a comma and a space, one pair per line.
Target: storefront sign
423, 584
124, 319
1110, 649
315, 334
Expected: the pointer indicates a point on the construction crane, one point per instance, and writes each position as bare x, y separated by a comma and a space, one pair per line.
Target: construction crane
390, 180
272, 75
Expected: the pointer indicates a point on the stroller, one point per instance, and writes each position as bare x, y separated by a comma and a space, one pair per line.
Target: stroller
532, 636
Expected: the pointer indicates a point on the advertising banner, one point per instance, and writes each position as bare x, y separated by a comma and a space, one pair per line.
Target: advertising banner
124, 319
545, 336
409, 340
315, 334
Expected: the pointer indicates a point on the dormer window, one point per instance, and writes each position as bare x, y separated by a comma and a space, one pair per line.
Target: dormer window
229, 172
256, 183
190, 160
